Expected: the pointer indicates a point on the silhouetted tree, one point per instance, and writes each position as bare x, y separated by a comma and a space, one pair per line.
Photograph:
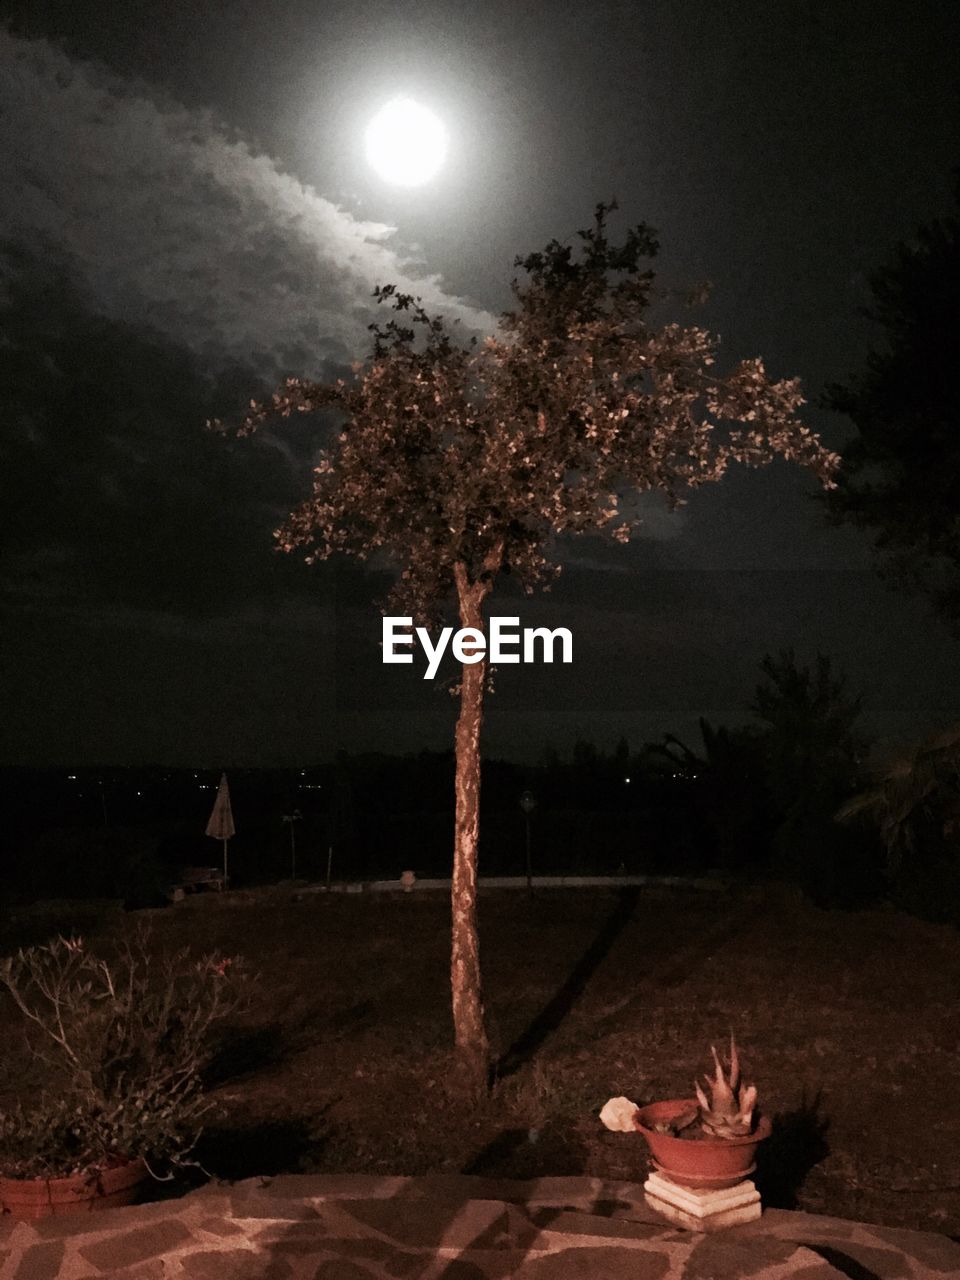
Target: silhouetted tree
728, 786
899, 474
459, 464
809, 719
586, 757
812, 749
914, 799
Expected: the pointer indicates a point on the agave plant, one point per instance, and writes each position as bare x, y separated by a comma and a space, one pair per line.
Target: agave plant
728, 1113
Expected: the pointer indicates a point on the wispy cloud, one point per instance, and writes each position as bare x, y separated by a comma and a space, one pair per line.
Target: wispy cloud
171, 222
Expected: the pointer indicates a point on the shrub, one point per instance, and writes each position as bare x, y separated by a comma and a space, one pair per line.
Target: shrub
124, 1040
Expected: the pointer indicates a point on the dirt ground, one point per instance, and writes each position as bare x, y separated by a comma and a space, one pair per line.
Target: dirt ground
848, 1022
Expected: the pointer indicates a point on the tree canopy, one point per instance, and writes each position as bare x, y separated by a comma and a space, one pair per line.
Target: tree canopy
479, 455
899, 473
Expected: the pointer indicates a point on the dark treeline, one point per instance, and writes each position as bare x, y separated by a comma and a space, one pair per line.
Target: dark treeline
759, 800
128, 831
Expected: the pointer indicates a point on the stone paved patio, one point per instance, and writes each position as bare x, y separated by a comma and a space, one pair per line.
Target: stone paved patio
449, 1228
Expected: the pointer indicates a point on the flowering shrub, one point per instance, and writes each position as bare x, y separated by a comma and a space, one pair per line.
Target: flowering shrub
123, 1039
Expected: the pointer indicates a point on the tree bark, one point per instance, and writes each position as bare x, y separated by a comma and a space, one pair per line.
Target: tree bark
470, 1036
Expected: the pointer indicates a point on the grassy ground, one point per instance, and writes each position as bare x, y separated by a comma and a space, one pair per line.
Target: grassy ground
848, 1022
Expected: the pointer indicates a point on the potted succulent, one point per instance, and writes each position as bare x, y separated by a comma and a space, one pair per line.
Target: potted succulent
706, 1143
119, 1042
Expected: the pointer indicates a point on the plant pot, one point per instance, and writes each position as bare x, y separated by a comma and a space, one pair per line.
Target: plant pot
709, 1163
104, 1188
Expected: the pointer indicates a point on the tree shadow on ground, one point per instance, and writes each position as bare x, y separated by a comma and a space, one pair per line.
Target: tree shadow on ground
553, 1013
242, 1051
798, 1142
404, 1236
553, 1151
265, 1149
843, 1263
498, 1153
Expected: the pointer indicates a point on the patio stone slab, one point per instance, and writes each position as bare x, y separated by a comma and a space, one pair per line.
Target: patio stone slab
452, 1227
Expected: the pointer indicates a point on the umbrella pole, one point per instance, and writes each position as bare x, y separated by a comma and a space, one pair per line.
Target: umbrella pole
225, 875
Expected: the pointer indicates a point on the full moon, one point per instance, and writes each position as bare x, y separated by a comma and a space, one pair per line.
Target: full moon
406, 143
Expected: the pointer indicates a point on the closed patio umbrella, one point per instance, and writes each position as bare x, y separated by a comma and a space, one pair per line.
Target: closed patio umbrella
220, 826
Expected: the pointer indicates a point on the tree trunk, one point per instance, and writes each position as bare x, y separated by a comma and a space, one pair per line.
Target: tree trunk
470, 1036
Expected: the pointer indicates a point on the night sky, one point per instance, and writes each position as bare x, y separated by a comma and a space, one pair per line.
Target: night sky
187, 215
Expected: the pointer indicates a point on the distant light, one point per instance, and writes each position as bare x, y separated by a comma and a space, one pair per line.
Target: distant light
627, 781
71, 777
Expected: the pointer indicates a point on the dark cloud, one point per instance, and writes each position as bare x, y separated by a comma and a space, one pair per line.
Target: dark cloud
155, 272
171, 223
113, 491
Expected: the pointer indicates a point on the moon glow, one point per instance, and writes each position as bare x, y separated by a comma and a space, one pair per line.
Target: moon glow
406, 143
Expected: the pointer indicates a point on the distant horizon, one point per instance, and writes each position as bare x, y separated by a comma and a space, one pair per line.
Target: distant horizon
878, 749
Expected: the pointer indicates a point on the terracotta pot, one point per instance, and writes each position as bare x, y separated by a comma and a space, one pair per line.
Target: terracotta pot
698, 1162
81, 1193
